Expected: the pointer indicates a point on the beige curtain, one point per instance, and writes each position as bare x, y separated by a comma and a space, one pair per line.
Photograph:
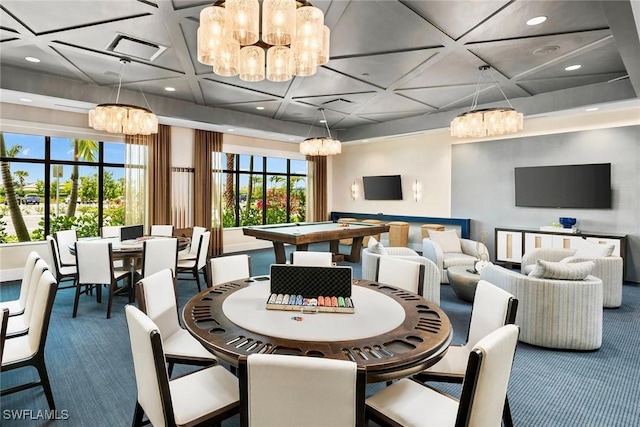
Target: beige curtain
160, 176
208, 186
317, 204
136, 179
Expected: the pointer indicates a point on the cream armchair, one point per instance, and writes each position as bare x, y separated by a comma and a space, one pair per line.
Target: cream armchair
608, 268
472, 252
431, 283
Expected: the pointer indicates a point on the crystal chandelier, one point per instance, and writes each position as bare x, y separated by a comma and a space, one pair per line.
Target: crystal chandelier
488, 121
123, 118
319, 145
293, 34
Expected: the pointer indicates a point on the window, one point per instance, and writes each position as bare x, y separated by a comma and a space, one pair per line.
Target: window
263, 190
52, 183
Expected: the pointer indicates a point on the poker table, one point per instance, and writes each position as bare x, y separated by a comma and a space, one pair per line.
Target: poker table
393, 333
302, 234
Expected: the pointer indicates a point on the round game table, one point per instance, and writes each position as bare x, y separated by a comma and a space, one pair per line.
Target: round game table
393, 333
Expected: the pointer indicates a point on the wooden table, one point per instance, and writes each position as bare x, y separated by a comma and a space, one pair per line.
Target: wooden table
313, 232
419, 341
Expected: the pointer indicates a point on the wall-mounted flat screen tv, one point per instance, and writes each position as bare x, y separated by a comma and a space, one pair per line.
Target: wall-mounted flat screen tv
568, 186
386, 187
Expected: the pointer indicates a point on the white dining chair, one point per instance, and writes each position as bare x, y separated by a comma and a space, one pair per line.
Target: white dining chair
65, 239
311, 258
61, 272
402, 273
19, 325
16, 306
110, 231
162, 230
191, 252
195, 266
227, 268
158, 254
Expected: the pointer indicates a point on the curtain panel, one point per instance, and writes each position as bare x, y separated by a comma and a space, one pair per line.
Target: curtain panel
160, 176
208, 186
136, 180
317, 202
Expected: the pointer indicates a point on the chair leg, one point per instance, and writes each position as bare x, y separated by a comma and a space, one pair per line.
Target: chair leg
196, 273
138, 413
112, 289
76, 300
98, 292
46, 385
506, 413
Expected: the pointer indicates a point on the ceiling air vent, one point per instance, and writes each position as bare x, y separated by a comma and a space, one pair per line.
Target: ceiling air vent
132, 47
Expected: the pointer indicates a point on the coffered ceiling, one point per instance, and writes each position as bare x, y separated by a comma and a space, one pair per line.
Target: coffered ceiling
396, 66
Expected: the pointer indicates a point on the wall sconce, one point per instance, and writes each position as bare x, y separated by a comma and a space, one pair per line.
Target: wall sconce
354, 190
417, 190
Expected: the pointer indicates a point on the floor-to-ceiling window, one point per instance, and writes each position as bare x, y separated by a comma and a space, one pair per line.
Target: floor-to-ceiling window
53, 183
263, 190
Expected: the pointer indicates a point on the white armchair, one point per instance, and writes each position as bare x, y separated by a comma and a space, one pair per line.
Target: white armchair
472, 252
607, 268
431, 283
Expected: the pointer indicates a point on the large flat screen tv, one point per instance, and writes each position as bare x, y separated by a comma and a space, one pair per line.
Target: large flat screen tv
385, 187
568, 186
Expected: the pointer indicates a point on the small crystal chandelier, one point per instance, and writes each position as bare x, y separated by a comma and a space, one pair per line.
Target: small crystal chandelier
293, 34
486, 122
319, 145
123, 118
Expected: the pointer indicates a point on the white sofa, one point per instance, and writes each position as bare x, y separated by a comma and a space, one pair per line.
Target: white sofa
431, 283
564, 314
470, 254
608, 268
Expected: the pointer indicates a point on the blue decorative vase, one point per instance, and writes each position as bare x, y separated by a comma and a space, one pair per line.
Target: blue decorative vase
567, 222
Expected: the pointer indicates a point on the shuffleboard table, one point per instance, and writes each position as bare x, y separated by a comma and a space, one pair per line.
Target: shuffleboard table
313, 232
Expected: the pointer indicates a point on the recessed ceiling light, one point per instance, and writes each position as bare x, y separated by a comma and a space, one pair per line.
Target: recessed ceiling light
322, 121
365, 140
231, 130
259, 108
592, 109
292, 139
25, 100
546, 49
170, 89
31, 59
537, 20
573, 67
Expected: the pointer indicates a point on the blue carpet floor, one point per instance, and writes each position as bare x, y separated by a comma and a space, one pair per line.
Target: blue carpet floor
91, 370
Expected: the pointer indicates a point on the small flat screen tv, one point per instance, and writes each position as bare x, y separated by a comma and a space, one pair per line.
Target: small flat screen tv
568, 186
385, 187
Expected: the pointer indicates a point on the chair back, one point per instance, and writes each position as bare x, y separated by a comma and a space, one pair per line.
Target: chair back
317, 259
404, 274
4, 321
110, 231
195, 239
54, 253
29, 265
227, 268
46, 288
39, 268
203, 249
152, 380
162, 230
94, 260
157, 299
64, 239
484, 389
310, 386
492, 308
159, 254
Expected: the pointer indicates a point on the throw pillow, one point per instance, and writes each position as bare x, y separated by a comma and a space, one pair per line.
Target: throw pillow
448, 240
376, 247
372, 242
587, 249
562, 271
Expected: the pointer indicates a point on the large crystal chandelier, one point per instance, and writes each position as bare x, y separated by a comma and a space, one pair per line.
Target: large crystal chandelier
293, 34
123, 118
488, 121
320, 145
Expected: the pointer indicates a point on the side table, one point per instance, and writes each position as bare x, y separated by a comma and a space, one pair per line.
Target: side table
463, 282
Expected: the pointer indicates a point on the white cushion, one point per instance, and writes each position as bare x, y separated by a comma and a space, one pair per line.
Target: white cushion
448, 240
588, 249
372, 242
562, 271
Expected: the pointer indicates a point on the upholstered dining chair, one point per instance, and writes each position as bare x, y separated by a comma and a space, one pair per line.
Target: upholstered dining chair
162, 230
191, 252
318, 391
158, 254
110, 231
16, 306
194, 266
61, 272
157, 299
28, 350
227, 268
4, 318
19, 325
404, 274
492, 308
64, 239
311, 258
202, 398
409, 403
95, 268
